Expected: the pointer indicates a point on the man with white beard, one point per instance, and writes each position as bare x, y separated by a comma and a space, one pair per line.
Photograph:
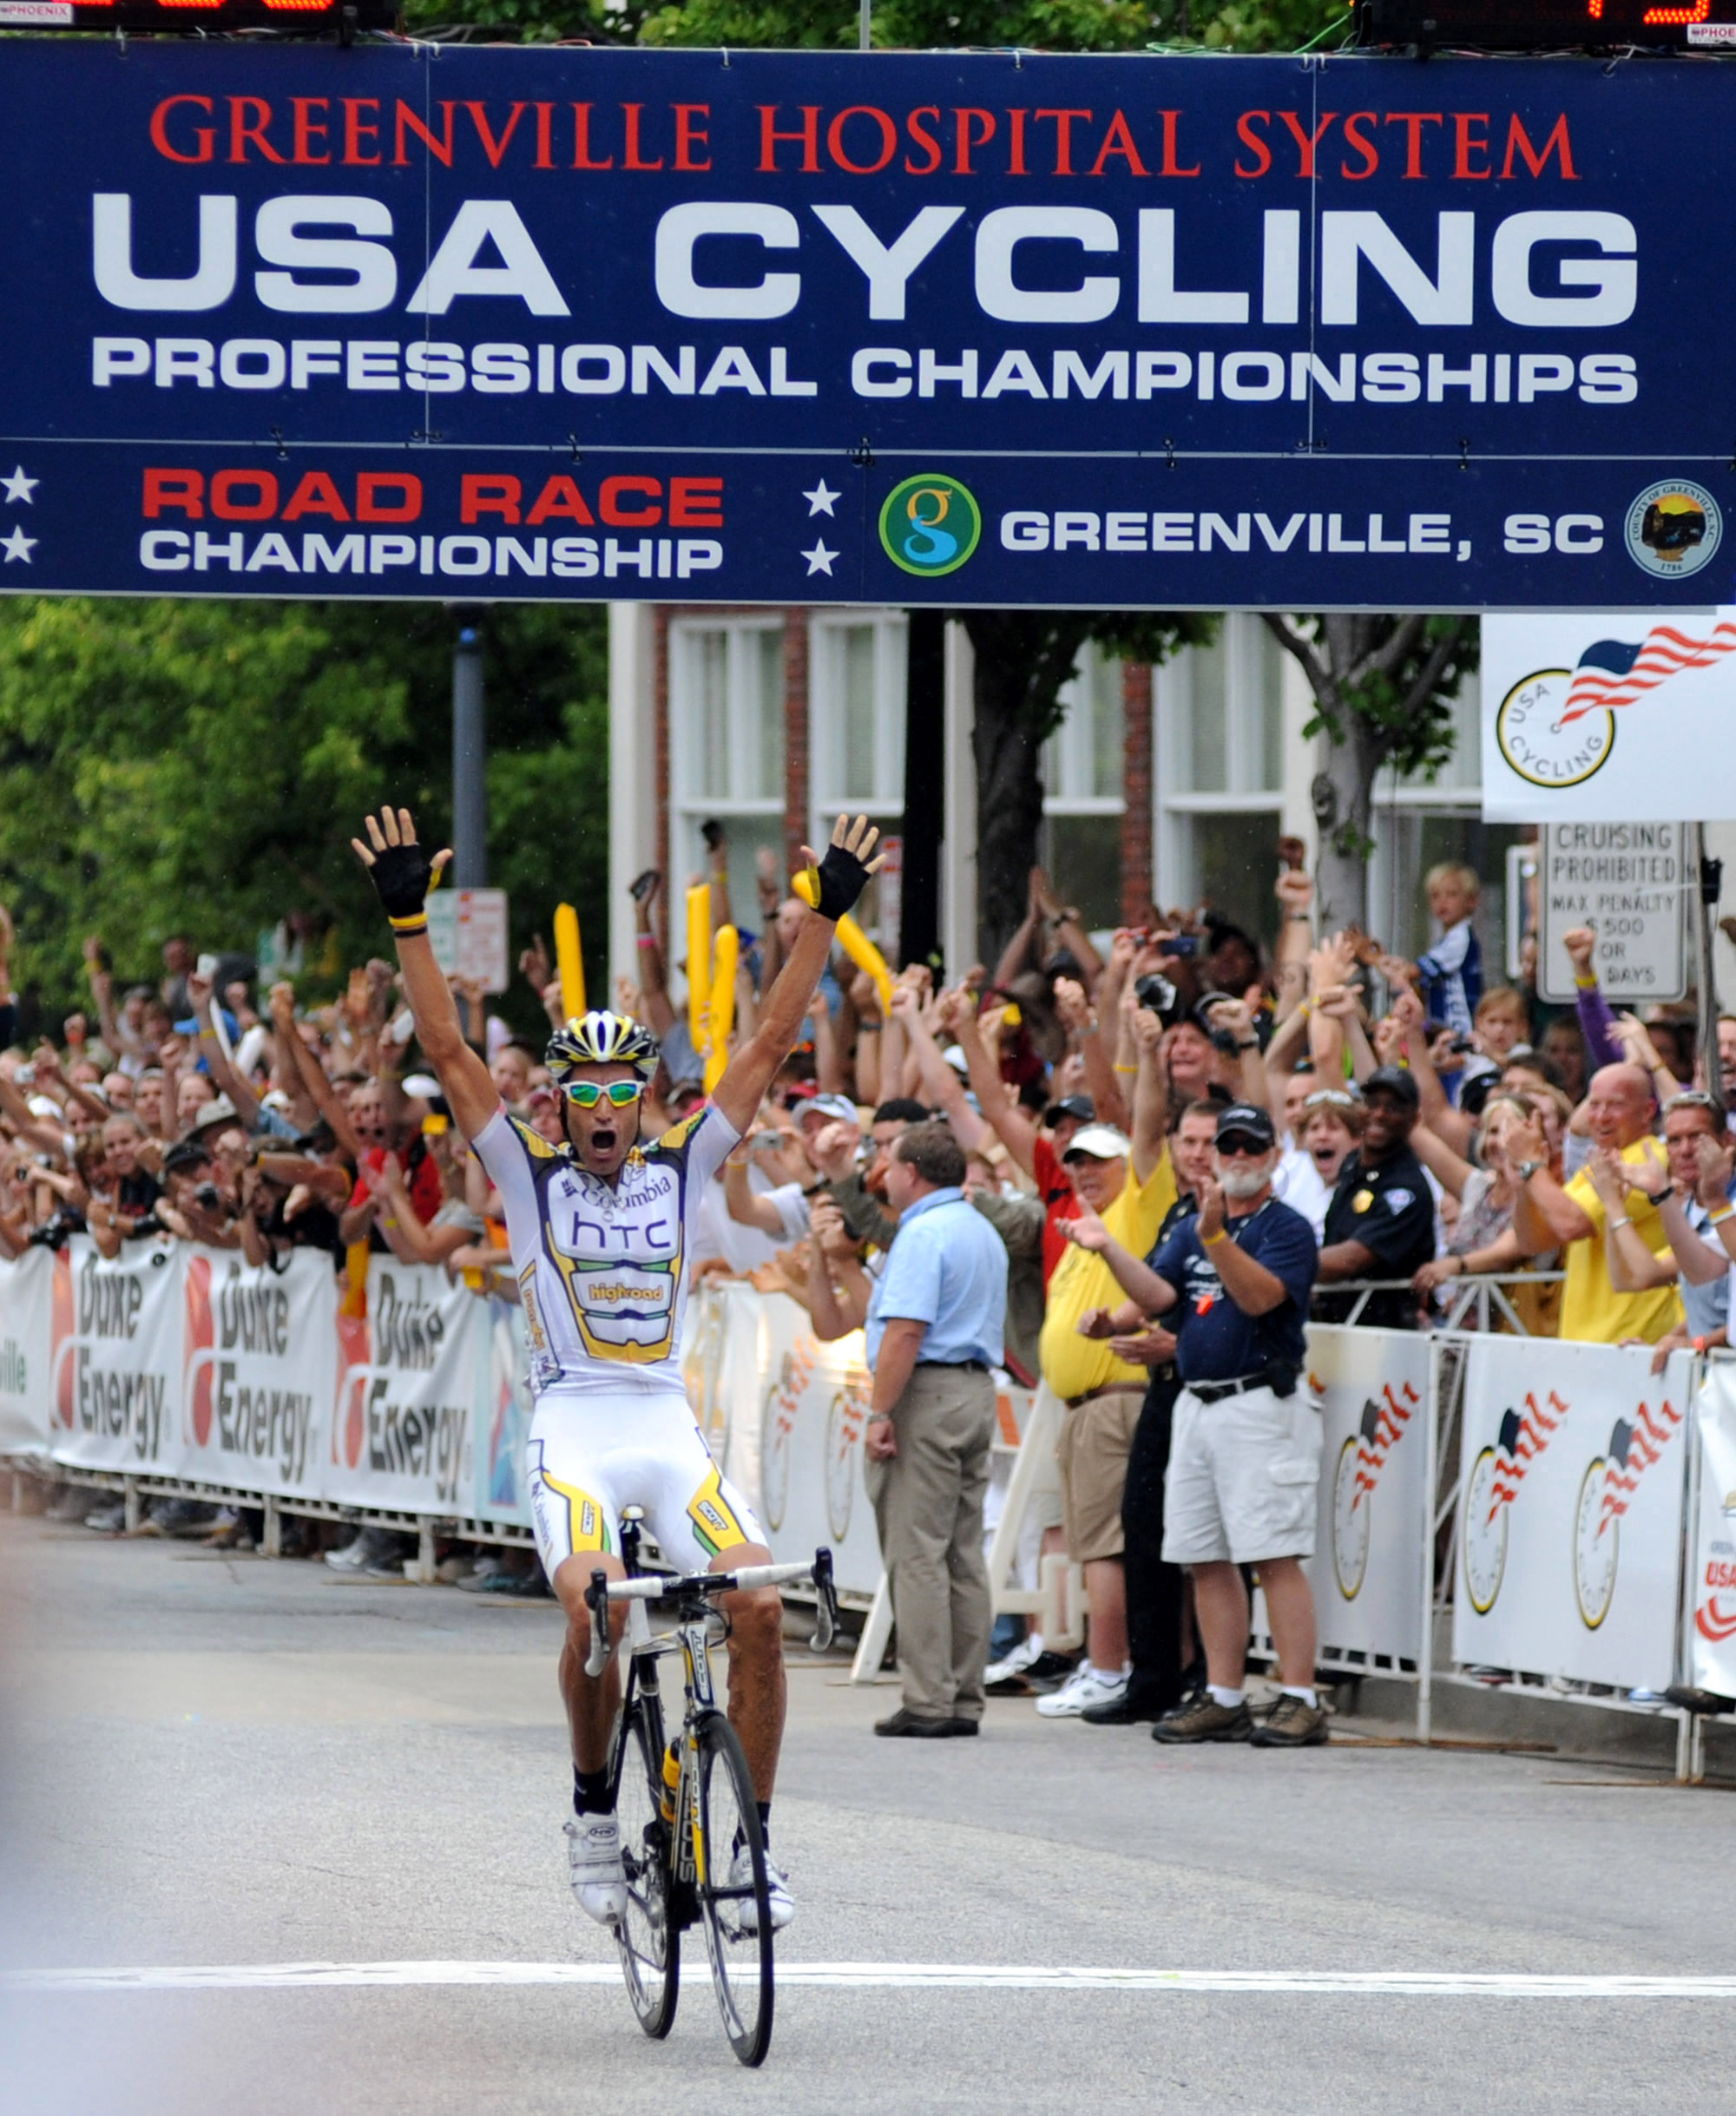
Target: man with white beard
1245, 1461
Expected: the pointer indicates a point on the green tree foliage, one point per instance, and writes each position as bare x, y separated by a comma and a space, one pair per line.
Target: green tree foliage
200, 766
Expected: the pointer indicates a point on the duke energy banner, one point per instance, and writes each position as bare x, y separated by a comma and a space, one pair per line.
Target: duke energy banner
1570, 1511
261, 1371
974, 328
1589, 717
118, 1369
26, 1352
408, 1379
1712, 1654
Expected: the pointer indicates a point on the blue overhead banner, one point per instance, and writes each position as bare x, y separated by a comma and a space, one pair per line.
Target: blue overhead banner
968, 329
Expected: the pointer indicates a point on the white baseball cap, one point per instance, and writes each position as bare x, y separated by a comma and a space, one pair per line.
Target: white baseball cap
1102, 1141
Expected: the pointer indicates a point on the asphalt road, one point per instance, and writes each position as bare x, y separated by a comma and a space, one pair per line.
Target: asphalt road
226, 1763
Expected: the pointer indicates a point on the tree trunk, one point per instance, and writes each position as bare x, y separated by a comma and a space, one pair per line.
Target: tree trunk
1023, 657
1342, 794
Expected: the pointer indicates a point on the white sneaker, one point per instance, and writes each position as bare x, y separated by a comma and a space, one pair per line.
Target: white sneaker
593, 1855
1089, 1686
1023, 1655
778, 1896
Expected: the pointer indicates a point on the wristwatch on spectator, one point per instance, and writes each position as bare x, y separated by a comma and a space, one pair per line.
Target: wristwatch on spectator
1526, 1170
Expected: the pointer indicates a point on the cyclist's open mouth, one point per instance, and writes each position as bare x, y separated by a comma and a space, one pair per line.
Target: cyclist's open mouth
604, 1139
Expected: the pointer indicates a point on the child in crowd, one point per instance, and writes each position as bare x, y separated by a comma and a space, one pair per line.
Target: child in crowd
1452, 969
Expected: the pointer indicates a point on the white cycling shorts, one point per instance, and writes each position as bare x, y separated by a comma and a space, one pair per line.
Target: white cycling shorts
590, 1455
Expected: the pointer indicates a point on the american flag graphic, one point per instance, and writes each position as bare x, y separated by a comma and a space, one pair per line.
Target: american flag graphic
1612, 671
1523, 1438
1633, 1449
1383, 1428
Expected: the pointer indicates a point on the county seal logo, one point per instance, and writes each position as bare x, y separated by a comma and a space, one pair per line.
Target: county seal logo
929, 525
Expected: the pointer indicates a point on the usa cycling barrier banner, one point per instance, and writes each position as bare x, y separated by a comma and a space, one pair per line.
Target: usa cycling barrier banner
1571, 1498
814, 1411
117, 1376
26, 1352
259, 1370
1373, 1389
723, 1360
1563, 693
410, 1376
990, 328
1712, 1639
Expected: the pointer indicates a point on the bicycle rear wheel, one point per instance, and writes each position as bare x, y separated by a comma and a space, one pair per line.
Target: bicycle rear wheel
730, 1866
650, 1946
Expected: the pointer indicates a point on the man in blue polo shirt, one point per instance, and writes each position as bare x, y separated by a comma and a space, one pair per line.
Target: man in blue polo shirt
1233, 1281
935, 1320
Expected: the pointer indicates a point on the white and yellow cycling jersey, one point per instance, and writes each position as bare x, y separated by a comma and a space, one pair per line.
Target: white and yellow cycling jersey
602, 1267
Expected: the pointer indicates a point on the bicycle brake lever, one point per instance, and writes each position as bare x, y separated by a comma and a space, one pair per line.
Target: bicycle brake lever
826, 1613
596, 1600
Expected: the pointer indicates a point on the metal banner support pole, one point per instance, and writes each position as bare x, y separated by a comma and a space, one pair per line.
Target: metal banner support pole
1425, 1645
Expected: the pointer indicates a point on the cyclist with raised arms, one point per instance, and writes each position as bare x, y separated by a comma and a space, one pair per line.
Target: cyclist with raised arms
600, 1230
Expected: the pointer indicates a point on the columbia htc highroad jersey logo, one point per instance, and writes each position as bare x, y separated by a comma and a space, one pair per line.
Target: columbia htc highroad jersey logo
618, 1251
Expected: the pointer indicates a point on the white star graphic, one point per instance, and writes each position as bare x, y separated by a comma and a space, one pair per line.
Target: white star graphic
819, 560
819, 499
18, 545
17, 487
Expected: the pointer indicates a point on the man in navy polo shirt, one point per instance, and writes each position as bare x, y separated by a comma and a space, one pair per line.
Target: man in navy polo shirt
1234, 1280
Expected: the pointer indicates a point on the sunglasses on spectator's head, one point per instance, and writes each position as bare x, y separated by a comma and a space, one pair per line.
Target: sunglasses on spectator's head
1694, 1097
623, 1094
1241, 1142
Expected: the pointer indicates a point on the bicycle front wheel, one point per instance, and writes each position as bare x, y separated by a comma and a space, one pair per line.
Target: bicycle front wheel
730, 1869
650, 1946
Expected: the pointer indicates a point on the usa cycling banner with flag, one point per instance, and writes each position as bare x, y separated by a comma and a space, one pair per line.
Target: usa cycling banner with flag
1372, 1388
1608, 717
1570, 1511
1712, 1638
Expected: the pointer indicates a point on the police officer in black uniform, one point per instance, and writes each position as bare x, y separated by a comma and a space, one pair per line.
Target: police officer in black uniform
1381, 1221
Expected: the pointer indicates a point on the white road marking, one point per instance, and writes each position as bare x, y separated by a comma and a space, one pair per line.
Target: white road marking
891, 1975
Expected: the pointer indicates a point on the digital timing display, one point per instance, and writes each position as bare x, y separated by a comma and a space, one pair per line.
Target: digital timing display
1547, 25
308, 17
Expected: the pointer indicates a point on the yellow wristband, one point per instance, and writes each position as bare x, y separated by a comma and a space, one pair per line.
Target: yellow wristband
1125, 1068
416, 922
1211, 1241
1717, 1219
1586, 985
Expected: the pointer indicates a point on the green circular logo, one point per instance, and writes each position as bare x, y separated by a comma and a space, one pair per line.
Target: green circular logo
929, 525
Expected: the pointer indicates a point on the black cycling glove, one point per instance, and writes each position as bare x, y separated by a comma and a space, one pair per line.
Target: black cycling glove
842, 879
402, 875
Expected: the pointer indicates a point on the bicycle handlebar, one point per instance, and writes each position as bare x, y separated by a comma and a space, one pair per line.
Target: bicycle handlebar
653, 1586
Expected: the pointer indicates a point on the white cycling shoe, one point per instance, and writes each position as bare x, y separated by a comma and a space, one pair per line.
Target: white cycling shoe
778, 1896
598, 1877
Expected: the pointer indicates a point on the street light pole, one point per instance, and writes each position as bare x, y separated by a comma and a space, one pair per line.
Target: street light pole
469, 763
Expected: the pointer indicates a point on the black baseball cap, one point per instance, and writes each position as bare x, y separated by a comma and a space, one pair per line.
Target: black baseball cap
1246, 1121
1394, 1080
1079, 1106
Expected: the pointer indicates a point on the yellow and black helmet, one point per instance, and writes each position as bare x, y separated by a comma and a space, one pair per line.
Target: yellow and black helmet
601, 1038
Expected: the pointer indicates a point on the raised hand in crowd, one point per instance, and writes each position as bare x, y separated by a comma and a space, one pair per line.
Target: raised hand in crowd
1294, 890
1716, 1168
833, 1150
1580, 943
535, 965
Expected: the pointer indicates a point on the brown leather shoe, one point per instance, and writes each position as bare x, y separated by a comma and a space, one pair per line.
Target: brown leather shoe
1205, 1719
1293, 1723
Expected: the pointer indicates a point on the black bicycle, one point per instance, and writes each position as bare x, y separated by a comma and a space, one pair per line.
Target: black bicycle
690, 1836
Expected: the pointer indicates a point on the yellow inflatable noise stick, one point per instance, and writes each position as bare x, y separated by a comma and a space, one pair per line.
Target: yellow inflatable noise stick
722, 1003
569, 962
850, 937
698, 961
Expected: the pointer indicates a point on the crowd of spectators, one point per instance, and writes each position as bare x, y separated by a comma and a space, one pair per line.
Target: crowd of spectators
1425, 1127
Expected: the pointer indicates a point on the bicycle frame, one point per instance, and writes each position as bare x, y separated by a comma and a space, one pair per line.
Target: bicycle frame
692, 1637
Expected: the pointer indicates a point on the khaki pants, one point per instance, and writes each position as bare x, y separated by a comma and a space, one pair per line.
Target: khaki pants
928, 1503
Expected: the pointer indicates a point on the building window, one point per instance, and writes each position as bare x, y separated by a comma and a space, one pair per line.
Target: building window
1082, 769
726, 747
857, 677
1220, 774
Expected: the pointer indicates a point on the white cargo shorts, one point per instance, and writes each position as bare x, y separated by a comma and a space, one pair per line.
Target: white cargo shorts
1244, 1475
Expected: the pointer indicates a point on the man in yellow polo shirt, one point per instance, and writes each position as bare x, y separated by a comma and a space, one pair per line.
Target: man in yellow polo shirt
1547, 1214
1131, 1184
